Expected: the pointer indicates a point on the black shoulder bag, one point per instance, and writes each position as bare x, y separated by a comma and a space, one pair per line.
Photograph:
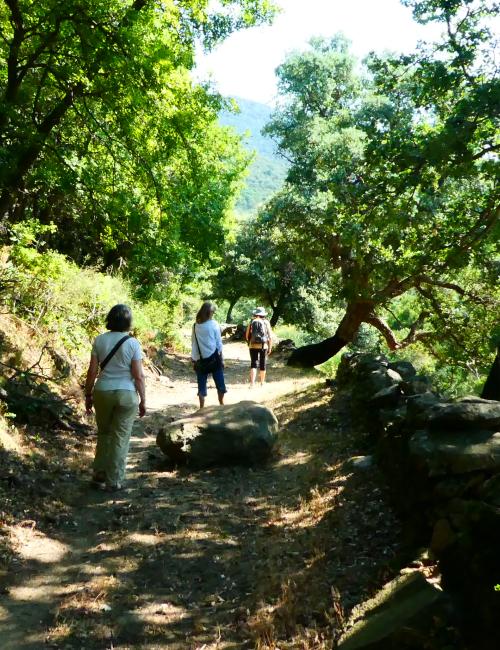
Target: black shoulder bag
112, 353
208, 365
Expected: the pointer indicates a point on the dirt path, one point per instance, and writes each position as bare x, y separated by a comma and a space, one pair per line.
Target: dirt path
226, 558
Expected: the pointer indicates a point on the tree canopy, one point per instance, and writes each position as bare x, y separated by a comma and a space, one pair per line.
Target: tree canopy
393, 184
259, 266
104, 134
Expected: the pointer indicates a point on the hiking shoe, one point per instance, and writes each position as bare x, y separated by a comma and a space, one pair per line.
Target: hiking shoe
114, 487
98, 480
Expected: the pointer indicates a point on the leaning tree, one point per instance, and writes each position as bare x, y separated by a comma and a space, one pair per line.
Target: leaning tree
393, 183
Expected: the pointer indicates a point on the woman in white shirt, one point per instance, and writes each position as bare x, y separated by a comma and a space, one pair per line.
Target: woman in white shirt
206, 352
117, 396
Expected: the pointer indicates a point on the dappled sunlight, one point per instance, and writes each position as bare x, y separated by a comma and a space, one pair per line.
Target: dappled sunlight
299, 458
143, 539
33, 593
310, 511
160, 613
32, 544
222, 557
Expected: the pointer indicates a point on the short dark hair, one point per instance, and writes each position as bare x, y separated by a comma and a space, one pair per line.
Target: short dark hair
119, 318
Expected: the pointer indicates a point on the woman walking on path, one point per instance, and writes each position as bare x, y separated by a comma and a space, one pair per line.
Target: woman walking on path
116, 362
260, 341
206, 352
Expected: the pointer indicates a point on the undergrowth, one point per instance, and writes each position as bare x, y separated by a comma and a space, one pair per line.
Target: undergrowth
68, 303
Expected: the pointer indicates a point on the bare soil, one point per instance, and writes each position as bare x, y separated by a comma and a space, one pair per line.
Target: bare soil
269, 557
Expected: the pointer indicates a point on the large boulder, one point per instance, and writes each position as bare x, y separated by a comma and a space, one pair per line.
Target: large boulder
243, 433
375, 381
417, 385
456, 452
408, 612
285, 345
470, 412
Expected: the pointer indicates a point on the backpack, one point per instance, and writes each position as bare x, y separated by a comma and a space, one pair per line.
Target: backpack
258, 332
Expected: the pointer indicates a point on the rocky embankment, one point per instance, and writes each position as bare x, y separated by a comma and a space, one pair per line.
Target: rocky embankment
442, 460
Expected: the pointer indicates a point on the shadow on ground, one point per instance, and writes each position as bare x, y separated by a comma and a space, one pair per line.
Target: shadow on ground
228, 558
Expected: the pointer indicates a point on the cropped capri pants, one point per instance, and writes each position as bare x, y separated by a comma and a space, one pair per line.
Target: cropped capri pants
258, 357
115, 412
218, 376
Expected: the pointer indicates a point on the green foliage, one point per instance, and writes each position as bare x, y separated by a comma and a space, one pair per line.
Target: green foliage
259, 266
297, 335
394, 180
52, 293
104, 134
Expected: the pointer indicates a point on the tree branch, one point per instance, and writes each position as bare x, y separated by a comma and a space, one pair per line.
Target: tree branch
439, 312
425, 279
413, 335
483, 152
44, 45
16, 20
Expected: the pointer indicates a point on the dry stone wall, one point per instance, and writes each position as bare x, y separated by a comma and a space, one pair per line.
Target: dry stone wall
442, 459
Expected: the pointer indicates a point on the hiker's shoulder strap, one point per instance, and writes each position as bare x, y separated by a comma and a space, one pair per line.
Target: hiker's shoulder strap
196, 339
113, 351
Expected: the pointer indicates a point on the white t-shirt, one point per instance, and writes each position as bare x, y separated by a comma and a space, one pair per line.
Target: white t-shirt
209, 339
117, 375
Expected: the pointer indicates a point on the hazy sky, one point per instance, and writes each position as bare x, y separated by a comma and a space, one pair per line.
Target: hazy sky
244, 65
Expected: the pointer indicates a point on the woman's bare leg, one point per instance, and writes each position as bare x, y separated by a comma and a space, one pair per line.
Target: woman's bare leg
221, 398
262, 377
253, 376
202, 401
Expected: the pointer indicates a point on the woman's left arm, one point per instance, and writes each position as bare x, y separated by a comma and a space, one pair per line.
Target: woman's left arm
218, 341
92, 373
140, 384
270, 343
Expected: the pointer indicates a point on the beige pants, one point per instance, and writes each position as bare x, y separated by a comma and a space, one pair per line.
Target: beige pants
115, 412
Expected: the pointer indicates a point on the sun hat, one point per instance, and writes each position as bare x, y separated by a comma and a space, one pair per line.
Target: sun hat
260, 311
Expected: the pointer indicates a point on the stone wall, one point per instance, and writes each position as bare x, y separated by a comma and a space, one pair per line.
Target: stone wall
442, 460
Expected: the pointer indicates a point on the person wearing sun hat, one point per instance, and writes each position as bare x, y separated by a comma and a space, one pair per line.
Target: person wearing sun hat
259, 336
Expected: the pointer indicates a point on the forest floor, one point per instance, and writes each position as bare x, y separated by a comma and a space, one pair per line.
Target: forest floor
269, 557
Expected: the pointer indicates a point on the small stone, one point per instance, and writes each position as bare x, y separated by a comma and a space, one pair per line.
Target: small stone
361, 462
403, 368
387, 397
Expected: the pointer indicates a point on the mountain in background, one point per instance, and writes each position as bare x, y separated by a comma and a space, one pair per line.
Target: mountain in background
268, 171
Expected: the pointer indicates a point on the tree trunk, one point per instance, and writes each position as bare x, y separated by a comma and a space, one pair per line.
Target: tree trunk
30, 154
309, 356
232, 304
491, 388
275, 317
278, 308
